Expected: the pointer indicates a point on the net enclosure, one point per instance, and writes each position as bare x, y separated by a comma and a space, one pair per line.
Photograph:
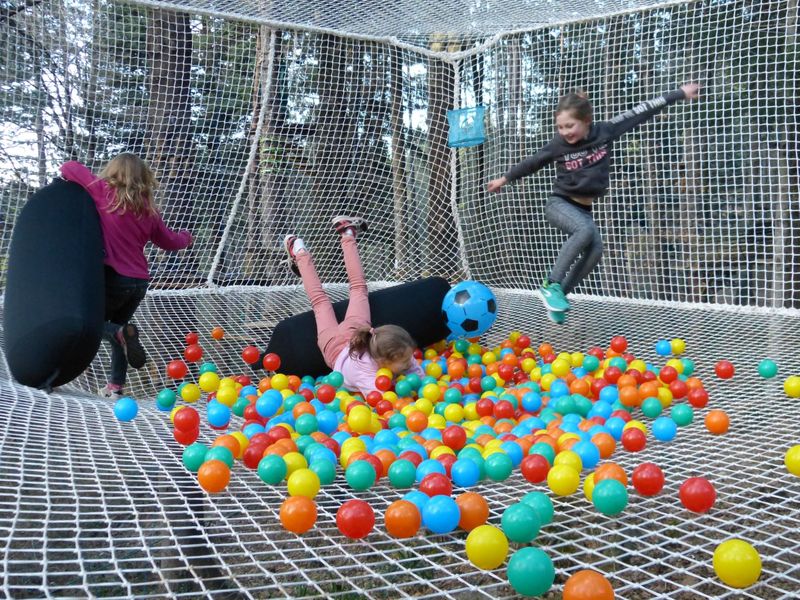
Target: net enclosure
263, 118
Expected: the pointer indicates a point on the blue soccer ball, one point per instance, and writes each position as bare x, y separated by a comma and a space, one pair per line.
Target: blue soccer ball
469, 309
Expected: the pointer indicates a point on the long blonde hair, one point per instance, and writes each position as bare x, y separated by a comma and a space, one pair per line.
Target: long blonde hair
133, 183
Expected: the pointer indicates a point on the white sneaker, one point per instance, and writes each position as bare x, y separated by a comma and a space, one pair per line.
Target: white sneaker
110, 393
342, 223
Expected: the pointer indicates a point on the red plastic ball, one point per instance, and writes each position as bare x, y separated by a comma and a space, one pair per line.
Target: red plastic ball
186, 419
355, 519
253, 454
326, 393
475, 385
668, 374
597, 385
648, 479
484, 407
596, 352
410, 456
193, 353
278, 433
447, 460
454, 437
383, 406
534, 468
506, 372
679, 389
612, 374
191, 338
185, 438
373, 398
523, 341
383, 383
633, 439
619, 344
271, 362
435, 484
697, 494
504, 410
697, 397
177, 369
724, 369
622, 414
250, 355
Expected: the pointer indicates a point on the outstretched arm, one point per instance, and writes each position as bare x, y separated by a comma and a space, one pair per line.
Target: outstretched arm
166, 239
78, 173
637, 115
527, 167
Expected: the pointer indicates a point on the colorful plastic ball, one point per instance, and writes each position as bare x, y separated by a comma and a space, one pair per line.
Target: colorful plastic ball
208, 382
402, 519
587, 585
724, 369
792, 460
186, 437
303, 482
193, 352
664, 429
648, 479
360, 475
436, 484
194, 455
325, 470
355, 519
177, 369
534, 468
610, 497
767, 368
697, 494
487, 547
474, 510
428, 466
272, 469
737, 563
418, 499
543, 505
465, 472
682, 414
531, 572
717, 422
126, 409
298, 514
651, 407
663, 348
520, 523
588, 453
563, 480
791, 386
213, 476
498, 466
271, 362
633, 440
441, 514
222, 454
218, 415
250, 355
402, 473
166, 399
218, 333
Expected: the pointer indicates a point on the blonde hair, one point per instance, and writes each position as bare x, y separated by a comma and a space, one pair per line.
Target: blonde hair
386, 343
133, 183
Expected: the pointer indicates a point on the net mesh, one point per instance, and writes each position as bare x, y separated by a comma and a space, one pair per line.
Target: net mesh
268, 118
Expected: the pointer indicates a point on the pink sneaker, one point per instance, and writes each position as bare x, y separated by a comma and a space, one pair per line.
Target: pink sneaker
343, 223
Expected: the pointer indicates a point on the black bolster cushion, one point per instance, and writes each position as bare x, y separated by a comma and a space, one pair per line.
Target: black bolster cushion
55, 294
415, 306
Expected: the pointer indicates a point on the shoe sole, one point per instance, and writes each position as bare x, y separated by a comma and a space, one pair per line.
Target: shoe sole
133, 348
290, 261
545, 301
558, 320
357, 223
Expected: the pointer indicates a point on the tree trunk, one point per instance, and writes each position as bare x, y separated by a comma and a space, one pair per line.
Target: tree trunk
399, 168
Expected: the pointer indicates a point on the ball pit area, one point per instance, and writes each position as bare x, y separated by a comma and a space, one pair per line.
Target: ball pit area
100, 506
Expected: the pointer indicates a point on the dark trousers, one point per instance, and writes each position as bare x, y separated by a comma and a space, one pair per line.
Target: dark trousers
123, 296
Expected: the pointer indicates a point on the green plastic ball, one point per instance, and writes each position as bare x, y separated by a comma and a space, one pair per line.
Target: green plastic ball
239, 406
520, 523
166, 399
208, 368
590, 363
194, 455
335, 378
767, 368
272, 469
688, 366
402, 473
682, 414
582, 404
610, 497
403, 388
360, 475
530, 572
498, 466
542, 504
220, 453
545, 450
325, 470
306, 424
651, 407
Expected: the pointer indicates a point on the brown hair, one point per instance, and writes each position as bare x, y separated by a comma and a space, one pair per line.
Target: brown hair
385, 343
577, 103
133, 183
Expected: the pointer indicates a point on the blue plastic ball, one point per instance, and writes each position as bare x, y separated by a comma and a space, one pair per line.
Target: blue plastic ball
441, 514
663, 348
126, 409
419, 499
428, 466
465, 472
218, 414
664, 429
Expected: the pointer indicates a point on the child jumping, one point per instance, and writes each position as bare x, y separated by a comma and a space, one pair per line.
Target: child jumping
123, 194
353, 347
582, 153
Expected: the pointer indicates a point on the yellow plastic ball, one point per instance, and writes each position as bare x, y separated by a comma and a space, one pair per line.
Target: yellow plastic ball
563, 480
227, 382
547, 380
227, 396
471, 411
390, 396
294, 461
439, 450
374, 423
664, 397
173, 411
576, 359
565, 437
243, 442
279, 382
791, 386
737, 563
303, 482
435, 421
190, 392
560, 367
385, 373
676, 364
424, 404
454, 413
353, 444
209, 382
678, 346
474, 348
569, 458
488, 358
792, 460
639, 365
527, 365
431, 392
634, 424
359, 419
487, 547
588, 486
434, 369
514, 336
430, 354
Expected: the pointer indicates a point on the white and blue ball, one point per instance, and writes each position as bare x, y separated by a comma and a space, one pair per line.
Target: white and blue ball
469, 309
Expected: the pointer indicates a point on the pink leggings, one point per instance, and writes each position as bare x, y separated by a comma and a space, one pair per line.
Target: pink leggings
333, 336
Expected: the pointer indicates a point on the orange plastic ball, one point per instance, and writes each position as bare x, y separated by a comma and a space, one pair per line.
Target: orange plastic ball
214, 476
231, 443
218, 333
629, 396
416, 421
610, 471
717, 422
298, 514
402, 519
605, 443
588, 585
474, 510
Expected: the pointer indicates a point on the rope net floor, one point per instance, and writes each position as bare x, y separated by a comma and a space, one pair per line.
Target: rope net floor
94, 507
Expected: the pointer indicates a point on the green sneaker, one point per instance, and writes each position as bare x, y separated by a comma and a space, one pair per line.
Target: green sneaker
557, 317
553, 297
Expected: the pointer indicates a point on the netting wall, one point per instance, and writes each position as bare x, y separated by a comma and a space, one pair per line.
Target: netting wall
268, 118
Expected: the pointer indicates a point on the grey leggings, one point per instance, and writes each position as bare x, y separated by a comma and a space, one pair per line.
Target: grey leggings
583, 247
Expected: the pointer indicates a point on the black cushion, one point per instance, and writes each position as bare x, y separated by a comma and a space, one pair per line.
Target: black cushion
55, 296
416, 306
